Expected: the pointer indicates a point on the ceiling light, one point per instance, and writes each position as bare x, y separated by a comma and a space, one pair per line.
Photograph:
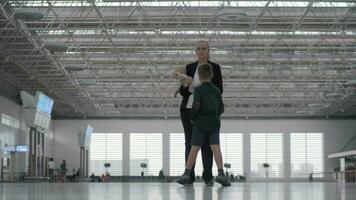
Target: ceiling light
29, 15
56, 47
351, 83
75, 67
87, 81
315, 105
231, 14
302, 112
227, 67
333, 94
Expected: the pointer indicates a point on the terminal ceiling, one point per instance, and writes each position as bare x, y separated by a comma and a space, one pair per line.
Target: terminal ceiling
114, 59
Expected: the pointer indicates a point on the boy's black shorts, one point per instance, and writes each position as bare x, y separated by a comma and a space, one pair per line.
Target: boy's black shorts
199, 136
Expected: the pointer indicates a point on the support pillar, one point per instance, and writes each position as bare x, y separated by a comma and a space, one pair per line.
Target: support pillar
36, 166
86, 163
81, 165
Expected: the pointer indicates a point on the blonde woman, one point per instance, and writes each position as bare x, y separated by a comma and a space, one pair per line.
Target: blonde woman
202, 53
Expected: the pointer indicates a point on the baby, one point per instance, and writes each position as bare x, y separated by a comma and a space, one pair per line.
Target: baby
179, 73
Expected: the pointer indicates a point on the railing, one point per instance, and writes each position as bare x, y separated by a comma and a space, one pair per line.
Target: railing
34, 179
340, 176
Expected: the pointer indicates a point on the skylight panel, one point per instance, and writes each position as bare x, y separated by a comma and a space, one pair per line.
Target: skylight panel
68, 3
154, 3
205, 33
289, 4
333, 4
51, 32
220, 3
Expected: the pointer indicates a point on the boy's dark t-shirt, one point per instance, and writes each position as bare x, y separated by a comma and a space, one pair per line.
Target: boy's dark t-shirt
207, 107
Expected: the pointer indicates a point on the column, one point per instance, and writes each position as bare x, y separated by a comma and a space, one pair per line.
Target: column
286, 155
125, 154
166, 153
247, 155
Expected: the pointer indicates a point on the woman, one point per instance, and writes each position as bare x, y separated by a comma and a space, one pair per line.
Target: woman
202, 53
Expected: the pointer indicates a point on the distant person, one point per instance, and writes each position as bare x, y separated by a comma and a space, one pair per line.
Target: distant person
206, 111
74, 176
51, 166
63, 167
92, 177
232, 178
102, 178
107, 176
63, 171
161, 174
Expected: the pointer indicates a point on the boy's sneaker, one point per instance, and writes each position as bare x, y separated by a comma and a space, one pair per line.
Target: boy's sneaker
185, 179
223, 180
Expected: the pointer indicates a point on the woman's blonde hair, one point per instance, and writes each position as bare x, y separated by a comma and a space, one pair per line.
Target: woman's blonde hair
202, 41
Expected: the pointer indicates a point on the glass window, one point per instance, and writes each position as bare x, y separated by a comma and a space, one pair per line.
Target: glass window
306, 154
176, 157
106, 147
10, 121
146, 148
232, 152
266, 148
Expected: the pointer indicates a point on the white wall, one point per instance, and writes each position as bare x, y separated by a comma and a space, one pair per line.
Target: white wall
336, 134
65, 133
10, 135
13, 136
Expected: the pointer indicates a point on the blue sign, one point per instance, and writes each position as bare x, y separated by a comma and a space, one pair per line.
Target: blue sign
88, 133
44, 103
21, 148
9, 148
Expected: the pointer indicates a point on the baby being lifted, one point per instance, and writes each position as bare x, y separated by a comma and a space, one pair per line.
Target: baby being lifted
180, 74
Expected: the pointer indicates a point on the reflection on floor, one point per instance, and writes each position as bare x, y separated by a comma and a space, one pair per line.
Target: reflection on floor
165, 191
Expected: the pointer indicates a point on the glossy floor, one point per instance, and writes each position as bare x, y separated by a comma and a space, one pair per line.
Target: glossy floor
164, 191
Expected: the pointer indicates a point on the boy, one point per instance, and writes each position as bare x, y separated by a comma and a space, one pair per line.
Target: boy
206, 111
